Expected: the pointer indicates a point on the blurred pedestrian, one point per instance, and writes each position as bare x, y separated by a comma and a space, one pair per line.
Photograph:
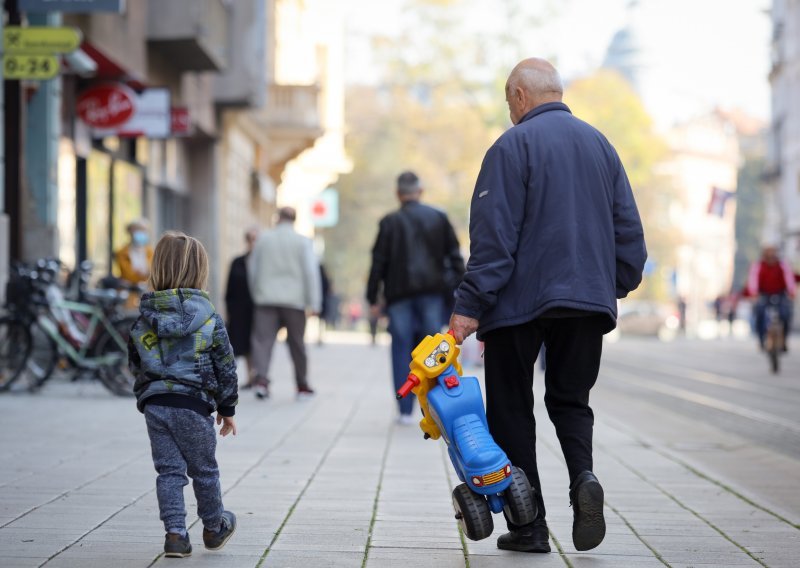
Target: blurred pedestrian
555, 239
354, 313
327, 291
239, 305
183, 362
733, 306
414, 248
285, 282
718, 305
134, 259
373, 320
682, 314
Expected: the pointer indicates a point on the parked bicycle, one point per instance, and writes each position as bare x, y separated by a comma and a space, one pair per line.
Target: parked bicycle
42, 328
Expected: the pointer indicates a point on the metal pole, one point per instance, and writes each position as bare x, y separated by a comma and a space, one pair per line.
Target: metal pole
42, 128
5, 244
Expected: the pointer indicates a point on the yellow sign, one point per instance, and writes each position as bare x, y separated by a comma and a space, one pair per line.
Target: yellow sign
30, 66
40, 40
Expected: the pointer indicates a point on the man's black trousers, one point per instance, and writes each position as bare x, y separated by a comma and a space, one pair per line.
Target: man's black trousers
573, 346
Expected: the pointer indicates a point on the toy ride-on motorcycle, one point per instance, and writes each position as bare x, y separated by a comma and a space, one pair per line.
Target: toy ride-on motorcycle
452, 408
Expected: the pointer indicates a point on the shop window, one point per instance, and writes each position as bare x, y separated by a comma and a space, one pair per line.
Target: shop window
98, 218
172, 210
127, 205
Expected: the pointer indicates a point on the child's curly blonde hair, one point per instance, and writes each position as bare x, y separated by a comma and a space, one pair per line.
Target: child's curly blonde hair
179, 261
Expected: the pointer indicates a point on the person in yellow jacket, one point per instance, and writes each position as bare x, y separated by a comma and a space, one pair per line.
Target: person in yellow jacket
134, 259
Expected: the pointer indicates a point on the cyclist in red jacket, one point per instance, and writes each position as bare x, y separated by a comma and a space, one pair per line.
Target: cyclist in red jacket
771, 276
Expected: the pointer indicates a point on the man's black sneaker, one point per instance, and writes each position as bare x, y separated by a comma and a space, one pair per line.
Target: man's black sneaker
177, 546
529, 539
588, 524
216, 540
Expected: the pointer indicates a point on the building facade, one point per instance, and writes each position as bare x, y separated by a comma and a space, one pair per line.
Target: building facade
204, 151
703, 165
783, 157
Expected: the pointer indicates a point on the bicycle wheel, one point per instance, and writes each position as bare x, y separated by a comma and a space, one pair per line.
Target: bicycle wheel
15, 346
117, 378
42, 359
774, 346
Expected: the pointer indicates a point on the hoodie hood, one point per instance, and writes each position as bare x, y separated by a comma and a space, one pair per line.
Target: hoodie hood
176, 313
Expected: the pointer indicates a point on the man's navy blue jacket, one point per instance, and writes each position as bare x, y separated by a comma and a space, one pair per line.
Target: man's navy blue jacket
553, 225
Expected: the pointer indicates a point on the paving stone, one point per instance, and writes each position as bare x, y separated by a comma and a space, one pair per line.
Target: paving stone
330, 477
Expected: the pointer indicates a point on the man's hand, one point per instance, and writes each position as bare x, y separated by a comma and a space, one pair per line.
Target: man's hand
462, 327
228, 425
375, 311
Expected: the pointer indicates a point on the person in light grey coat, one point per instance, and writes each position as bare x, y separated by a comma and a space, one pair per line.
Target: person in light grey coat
285, 284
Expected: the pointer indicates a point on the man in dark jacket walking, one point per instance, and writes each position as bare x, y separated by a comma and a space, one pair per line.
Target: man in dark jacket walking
556, 239
414, 260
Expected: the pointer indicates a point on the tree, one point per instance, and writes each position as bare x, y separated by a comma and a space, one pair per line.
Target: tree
608, 102
438, 109
393, 129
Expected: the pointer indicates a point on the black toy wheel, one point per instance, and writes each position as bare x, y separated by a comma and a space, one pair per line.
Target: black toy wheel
519, 497
472, 512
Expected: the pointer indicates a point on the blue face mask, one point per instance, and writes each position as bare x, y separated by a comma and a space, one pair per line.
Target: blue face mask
140, 238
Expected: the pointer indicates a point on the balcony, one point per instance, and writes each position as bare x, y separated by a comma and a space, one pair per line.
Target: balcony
293, 108
242, 83
192, 34
291, 120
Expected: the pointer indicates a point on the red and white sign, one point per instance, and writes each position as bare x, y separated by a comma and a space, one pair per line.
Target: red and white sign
109, 105
113, 109
181, 121
325, 208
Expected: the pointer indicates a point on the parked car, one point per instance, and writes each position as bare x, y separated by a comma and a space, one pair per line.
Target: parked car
646, 318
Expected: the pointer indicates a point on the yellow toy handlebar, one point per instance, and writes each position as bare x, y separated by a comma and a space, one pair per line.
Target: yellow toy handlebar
429, 360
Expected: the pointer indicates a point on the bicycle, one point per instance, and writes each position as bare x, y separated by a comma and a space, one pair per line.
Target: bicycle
774, 338
44, 327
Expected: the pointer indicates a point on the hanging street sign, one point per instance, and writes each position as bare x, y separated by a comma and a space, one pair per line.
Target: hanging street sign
325, 208
71, 6
34, 67
40, 40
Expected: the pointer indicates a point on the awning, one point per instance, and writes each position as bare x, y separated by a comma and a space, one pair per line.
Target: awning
89, 61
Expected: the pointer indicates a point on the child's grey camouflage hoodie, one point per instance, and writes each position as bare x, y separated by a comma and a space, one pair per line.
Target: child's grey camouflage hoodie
180, 353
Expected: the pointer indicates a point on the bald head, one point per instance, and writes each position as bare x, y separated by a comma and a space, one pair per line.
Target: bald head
532, 82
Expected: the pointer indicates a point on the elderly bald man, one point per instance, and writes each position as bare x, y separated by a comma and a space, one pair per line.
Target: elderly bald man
556, 239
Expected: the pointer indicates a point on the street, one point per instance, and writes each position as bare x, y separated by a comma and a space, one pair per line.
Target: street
696, 443
712, 401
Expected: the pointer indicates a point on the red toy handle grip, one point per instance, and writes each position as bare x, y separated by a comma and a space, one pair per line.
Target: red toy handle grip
410, 383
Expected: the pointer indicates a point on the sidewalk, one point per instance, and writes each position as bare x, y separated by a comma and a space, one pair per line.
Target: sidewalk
334, 482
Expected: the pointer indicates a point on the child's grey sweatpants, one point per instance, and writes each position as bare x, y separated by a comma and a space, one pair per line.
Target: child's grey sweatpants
183, 441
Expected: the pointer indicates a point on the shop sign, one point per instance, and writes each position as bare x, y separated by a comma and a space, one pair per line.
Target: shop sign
152, 116
181, 124
40, 40
144, 114
74, 6
109, 105
325, 208
33, 67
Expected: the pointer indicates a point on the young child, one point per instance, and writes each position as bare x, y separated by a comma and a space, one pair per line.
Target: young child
185, 370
